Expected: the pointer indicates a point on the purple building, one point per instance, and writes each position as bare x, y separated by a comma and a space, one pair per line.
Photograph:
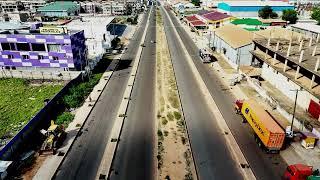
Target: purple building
47, 48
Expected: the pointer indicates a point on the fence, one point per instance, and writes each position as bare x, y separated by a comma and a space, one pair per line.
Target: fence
29, 135
38, 74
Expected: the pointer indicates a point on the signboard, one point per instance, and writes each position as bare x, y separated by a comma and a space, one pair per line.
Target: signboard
52, 30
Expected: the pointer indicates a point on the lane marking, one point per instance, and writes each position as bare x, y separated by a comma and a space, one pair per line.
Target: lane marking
109, 153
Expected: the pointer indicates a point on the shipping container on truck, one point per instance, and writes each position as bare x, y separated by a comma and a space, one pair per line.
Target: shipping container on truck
268, 133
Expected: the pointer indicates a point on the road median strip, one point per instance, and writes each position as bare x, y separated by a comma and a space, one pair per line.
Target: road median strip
231, 142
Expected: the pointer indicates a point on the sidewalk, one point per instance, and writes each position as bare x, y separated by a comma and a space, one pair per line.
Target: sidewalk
293, 154
52, 163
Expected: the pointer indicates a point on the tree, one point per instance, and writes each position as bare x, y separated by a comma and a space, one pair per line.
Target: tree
290, 15
196, 2
267, 12
316, 14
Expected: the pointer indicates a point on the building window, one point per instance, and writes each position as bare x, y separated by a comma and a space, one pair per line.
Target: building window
55, 58
25, 57
54, 47
38, 47
8, 46
23, 47
40, 57
10, 56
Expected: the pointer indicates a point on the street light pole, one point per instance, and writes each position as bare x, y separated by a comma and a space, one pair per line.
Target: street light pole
294, 108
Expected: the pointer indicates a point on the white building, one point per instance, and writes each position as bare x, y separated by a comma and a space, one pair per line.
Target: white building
113, 8
11, 6
234, 43
251, 8
98, 39
307, 29
88, 7
33, 5
23, 5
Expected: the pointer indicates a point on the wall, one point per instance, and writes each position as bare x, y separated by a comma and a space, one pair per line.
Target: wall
248, 11
44, 73
285, 85
29, 135
65, 56
305, 32
79, 50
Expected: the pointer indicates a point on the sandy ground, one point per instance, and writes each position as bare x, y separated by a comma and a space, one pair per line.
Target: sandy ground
28, 173
174, 155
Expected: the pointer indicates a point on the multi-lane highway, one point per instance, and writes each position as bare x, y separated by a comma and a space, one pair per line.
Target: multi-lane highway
83, 160
134, 158
264, 166
135, 154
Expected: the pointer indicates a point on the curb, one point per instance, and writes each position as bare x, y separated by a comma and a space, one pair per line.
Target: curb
80, 129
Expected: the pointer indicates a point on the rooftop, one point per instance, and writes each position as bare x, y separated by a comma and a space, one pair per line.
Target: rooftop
247, 21
192, 18
59, 6
215, 16
11, 26
257, 3
307, 27
235, 36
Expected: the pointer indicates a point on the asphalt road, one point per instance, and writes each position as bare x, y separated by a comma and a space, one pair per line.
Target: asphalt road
212, 157
265, 166
134, 158
83, 160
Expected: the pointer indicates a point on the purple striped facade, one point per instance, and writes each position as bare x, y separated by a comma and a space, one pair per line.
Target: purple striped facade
71, 54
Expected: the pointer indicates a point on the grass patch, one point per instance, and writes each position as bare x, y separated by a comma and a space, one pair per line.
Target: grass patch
64, 118
174, 101
166, 133
164, 121
170, 116
78, 93
177, 115
20, 101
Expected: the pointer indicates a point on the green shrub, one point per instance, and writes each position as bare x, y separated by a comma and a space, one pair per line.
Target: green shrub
177, 115
64, 118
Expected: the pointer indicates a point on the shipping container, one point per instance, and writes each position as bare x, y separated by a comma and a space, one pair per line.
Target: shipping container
266, 129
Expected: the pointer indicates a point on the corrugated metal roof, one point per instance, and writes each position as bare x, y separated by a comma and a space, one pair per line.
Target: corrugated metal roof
198, 23
192, 18
235, 36
247, 21
60, 6
257, 3
215, 16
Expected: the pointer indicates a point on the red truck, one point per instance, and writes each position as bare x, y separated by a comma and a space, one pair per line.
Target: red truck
300, 172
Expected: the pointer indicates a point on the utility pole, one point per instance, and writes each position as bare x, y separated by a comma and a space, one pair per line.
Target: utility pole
209, 43
294, 108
